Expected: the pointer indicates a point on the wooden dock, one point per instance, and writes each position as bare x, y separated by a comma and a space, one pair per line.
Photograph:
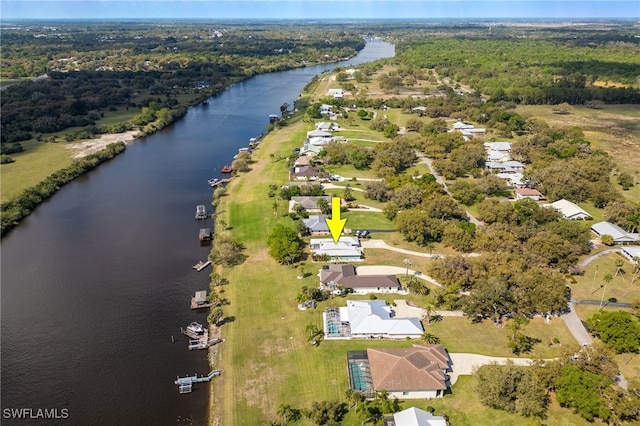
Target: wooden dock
185, 384
217, 182
201, 265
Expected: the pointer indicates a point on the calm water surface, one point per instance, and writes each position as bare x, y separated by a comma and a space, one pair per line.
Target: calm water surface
98, 279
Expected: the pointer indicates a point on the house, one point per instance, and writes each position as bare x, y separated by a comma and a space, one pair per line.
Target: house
569, 210
534, 194
368, 319
317, 225
310, 204
410, 373
307, 173
310, 150
497, 146
419, 109
318, 141
505, 166
630, 252
620, 236
468, 130
327, 126
346, 249
336, 93
498, 156
202, 84
303, 161
332, 277
318, 134
325, 109
459, 125
416, 417
513, 179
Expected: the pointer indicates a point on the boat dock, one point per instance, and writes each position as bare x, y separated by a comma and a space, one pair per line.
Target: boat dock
199, 344
201, 265
200, 300
227, 169
201, 212
185, 384
217, 182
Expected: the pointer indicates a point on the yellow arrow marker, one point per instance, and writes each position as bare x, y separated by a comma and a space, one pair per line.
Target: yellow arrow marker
335, 224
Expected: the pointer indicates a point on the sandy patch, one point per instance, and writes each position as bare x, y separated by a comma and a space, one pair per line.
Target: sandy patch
91, 146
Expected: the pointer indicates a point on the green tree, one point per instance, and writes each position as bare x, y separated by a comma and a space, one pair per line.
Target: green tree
581, 391
429, 338
617, 329
216, 315
284, 244
226, 251
626, 181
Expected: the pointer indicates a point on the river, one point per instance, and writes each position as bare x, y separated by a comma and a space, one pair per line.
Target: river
98, 279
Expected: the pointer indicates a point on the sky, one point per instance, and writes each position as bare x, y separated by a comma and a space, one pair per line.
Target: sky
312, 9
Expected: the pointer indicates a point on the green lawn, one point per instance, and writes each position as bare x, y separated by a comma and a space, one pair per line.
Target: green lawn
367, 220
38, 161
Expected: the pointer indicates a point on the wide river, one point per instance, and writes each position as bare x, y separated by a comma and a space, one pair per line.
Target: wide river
97, 282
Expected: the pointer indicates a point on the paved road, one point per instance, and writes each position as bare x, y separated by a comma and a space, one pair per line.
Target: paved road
426, 160
604, 303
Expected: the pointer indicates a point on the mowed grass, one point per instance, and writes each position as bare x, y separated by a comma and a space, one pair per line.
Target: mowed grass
587, 286
38, 161
266, 359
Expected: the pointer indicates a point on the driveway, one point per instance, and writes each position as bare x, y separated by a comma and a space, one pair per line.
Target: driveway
393, 270
575, 325
593, 257
464, 363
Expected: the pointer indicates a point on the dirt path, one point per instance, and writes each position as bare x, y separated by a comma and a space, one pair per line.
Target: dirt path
91, 146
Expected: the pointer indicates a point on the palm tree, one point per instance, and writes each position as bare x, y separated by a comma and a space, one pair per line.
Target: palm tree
636, 268
619, 264
429, 308
429, 338
407, 263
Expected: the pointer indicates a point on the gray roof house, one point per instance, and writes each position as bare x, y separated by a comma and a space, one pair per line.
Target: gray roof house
307, 172
310, 204
334, 276
630, 252
346, 249
317, 225
620, 236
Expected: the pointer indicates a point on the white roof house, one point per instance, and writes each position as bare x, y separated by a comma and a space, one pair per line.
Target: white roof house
346, 249
630, 252
416, 417
619, 235
373, 318
498, 146
318, 134
498, 156
569, 210
514, 179
459, 125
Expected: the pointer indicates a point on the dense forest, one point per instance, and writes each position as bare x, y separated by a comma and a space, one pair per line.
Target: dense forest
85, 70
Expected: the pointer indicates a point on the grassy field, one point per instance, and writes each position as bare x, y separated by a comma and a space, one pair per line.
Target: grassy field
587, 286
38, 161
266, 359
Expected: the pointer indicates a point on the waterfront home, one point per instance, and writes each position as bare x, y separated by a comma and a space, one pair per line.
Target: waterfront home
325, 109
416, 417
327, 126
569, 210
338, 277
347, 249
309, 203
317, 224
307, 173
419, 372
620, 236
534, 194
497, 146
368, 319
319, 134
